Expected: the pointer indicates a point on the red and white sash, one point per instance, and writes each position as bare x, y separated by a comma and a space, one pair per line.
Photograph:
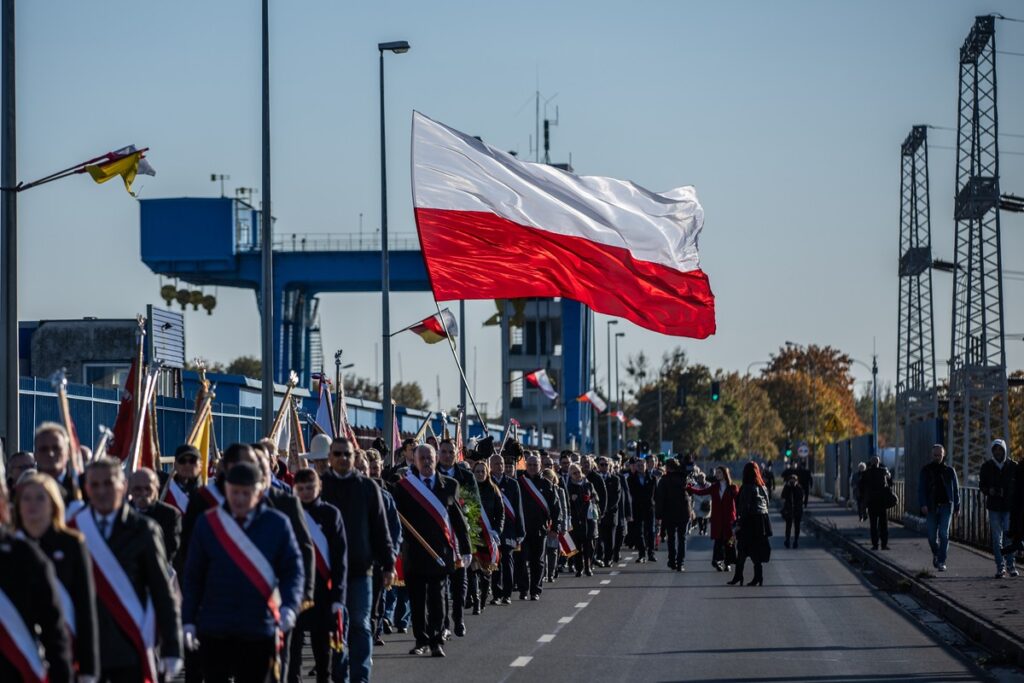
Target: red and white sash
322, 548
69, 607
176, 496
246, 556
118, 596
535, 494
212, 494
432, 504
17, 644
488, 556
509, 510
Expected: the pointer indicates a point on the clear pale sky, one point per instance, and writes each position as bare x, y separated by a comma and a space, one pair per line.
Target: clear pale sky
786, 116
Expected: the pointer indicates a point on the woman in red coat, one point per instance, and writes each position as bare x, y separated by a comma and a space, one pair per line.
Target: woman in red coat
723, 513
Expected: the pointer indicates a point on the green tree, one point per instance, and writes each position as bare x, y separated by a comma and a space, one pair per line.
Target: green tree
888, 425
247, 366
361, 387
410, 395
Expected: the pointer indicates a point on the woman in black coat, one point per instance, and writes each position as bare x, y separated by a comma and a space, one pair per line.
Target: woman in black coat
753, 526
490, 503
39, 515
672, 508
583, 511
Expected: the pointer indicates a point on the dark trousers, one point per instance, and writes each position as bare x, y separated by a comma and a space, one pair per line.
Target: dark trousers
320, 642
676, 534
377, 604
620, 536
643, 534
426, 598
606, 531
124, 674
531, 565
455, 597
193, 666
793, 524
879, 521
504, 575
551, 562
718, 552
478, 585
243, 660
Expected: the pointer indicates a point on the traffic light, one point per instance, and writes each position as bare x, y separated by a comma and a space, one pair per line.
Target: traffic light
714, 392
789, 448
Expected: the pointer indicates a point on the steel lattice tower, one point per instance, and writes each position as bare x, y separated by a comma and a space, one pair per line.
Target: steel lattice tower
915, 384
978, 399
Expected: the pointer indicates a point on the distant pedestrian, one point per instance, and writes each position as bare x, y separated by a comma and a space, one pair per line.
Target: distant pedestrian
938, 491
753, 528
672, 509
874, 485
701, 504
792, 509
857, 491
996, 482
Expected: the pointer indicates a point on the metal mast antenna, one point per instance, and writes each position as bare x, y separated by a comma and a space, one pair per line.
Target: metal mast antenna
978, 398
915, 384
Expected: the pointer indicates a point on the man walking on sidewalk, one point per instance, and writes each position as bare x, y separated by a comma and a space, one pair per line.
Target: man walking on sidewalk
996, 482
874, 485
938, 491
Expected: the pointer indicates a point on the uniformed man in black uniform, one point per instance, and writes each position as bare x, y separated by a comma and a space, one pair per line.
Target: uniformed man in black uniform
541, 512
455, 597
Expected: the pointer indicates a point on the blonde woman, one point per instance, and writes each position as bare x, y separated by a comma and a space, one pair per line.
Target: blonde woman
39, 516
552, 549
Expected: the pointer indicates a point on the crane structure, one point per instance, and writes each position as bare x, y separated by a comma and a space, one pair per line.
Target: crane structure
916, 397
978, 397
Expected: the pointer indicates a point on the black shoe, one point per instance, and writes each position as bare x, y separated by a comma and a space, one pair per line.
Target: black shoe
436, 651
460, 630
640, 560
495, 601
874, 547
378, 641
418, 650
579, 573
618, 559
535, 597
717, 566
588, 571
446, 635
385, 626
506, 601
796, 544
403, 630
651, 557
885, 547
522, 596
680, 567
476, 610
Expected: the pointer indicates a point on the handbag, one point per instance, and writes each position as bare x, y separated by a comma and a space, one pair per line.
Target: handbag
889, 498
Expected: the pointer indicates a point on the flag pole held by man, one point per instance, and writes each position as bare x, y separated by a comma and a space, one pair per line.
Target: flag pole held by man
492, 227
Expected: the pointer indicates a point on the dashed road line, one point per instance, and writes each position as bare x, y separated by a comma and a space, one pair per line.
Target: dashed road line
594, 592
581, 605
521, 661
605, 582
546, 638
614, 573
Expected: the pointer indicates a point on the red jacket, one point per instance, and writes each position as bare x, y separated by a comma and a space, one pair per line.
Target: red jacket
723, 508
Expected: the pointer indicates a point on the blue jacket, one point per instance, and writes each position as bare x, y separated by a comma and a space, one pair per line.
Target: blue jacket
218, 598
926, 491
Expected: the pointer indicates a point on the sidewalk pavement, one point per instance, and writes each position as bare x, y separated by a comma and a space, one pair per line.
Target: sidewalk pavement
989, 610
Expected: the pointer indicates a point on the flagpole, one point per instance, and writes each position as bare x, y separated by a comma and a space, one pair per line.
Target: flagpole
462, 373
463, 422
267, 240
9, 236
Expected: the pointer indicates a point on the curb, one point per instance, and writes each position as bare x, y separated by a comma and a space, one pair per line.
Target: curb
993, 637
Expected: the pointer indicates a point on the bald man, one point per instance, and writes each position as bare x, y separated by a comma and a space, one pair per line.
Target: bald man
144, 488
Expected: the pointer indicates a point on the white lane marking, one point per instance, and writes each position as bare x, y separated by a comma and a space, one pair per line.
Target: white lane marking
546, 638
521, 661
565, 620
581, 605
605, 582
594, 592
614, 573
623, 564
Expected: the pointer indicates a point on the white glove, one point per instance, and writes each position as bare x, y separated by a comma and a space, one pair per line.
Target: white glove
287, 620
336, 608
191, 641
172, 666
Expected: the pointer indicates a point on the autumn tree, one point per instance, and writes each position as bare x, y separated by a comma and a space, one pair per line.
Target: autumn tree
410, 395
361, 387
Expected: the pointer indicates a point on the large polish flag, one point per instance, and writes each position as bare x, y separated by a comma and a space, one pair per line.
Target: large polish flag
494, 227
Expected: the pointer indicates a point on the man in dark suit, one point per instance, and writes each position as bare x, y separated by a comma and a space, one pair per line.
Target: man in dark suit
541, 512
589, 469
457, 584
429, 503
626, 510
612, 509
53, 457
328, 532
142, 487
126, 551
511, 534
641, 493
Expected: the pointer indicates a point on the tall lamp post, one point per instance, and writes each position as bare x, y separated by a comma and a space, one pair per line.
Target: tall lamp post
874, 398
8, 240
397, 47
608, 329
267, 244
618, 388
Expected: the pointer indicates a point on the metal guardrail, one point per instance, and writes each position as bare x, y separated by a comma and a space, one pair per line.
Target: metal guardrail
971, 527
896, 512
330, 241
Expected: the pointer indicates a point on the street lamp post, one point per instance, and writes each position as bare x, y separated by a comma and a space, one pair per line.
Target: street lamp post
267, 298
618, 387
397, 47
608, 329
874, 398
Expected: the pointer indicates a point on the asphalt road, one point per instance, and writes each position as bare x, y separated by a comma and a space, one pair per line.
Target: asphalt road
814, 620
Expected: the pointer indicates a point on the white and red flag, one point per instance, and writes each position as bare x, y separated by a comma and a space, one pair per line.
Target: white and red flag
620, 416
635, 422
594, 399
539, 378
494, 227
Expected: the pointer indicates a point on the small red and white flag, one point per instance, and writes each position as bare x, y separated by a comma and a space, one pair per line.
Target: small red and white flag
485, 218
539, 378
634, 422
432, 329
620, 416
566, 545
594, 399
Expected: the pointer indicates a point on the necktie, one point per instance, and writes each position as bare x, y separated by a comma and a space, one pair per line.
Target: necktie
241, 521
104, 525
430, 483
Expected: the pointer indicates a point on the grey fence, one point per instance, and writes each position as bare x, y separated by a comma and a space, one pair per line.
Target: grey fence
841, 459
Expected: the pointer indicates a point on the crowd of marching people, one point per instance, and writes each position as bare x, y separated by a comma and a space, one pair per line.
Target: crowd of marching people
108, 576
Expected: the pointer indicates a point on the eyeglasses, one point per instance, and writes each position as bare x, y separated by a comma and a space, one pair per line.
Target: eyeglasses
188, 460
341, 454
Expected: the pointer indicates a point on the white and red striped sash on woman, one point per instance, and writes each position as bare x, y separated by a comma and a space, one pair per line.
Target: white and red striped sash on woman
212, 495
18, 645
176, 496
246, 556
322, 548
69, 607
116, 593
432, 504
535, 493
490, 554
